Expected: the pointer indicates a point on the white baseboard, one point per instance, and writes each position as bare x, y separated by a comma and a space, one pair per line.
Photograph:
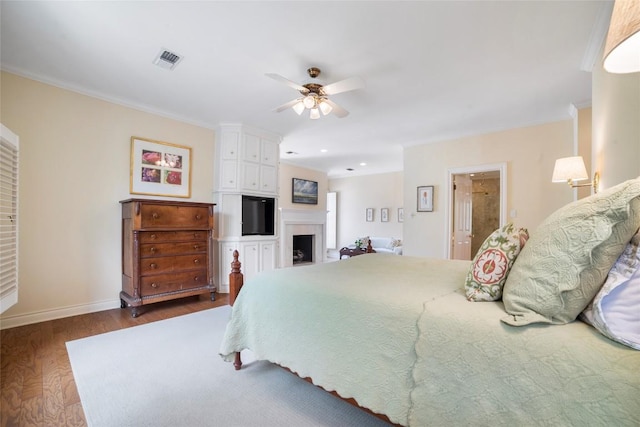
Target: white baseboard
7, 322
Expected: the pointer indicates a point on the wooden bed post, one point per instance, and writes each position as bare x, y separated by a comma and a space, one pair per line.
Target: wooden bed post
369, 247
236, 280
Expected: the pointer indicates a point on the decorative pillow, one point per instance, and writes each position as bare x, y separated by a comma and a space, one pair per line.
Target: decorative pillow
394, 243
567, 259
615, 309
491, 265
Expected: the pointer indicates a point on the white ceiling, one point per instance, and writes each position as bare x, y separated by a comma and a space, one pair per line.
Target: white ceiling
434, 70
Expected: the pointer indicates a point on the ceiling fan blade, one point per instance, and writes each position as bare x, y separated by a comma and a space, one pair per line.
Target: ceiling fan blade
287, 105
288, 82
345, 85
337, 110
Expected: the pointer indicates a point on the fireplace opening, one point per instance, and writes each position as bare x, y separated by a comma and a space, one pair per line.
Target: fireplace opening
303, 248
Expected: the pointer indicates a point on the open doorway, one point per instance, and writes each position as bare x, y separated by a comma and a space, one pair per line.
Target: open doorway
477, 207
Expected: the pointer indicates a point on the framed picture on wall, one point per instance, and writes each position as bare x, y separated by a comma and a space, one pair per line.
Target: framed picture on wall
425, 198
369, 214
400, 214
159, 168
304, 191
384, 215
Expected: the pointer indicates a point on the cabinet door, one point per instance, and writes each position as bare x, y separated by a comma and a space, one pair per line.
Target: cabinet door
250, 176
251, 148
269, 153
230, 141
268, 179
267, 256
226, 258
250, 259
229, 175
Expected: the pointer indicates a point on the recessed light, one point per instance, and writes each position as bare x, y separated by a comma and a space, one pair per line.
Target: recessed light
363, 164
324, 150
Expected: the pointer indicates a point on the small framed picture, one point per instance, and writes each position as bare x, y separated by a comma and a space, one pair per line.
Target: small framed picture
159, 168
384, 215
400, 214
369, 214
425, 198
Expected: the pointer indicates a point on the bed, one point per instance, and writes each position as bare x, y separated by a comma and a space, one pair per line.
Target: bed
399, 336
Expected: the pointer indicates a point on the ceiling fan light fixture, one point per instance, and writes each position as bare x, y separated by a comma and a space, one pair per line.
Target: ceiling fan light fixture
314, 113
309, 101
325, 107
298, 107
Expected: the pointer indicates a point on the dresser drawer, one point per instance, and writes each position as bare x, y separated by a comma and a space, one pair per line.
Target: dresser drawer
162, 249
163, 283
173, 216
170, 264
171, 236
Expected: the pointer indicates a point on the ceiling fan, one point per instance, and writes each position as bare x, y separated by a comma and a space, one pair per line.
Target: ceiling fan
315, 97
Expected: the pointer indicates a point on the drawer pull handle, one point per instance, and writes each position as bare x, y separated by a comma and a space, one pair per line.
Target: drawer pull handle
153, 265
155, 215
153, 285
195, 247
198, 216
153, 250
196, 235
153, 236
196, 279
196, 261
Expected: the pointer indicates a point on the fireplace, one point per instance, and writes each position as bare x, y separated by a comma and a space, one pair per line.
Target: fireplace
299, 222
303, 248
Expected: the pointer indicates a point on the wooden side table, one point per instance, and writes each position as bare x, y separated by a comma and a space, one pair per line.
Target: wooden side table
353, 251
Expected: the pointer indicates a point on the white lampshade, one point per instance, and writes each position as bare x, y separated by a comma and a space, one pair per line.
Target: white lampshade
314, 113
569, 169
309, 101
325, 107
622, 50
298, 107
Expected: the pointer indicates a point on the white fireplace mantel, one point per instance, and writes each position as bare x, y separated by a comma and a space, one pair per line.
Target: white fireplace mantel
302, 221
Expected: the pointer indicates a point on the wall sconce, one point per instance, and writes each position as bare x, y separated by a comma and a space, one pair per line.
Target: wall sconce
623, 39
572, 169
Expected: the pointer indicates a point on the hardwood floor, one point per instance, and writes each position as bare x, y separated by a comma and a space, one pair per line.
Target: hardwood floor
36, 383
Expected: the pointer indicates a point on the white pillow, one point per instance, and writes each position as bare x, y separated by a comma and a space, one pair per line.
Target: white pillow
615, 309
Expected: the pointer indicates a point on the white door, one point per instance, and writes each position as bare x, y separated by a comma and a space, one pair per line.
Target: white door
8, 218
462, 232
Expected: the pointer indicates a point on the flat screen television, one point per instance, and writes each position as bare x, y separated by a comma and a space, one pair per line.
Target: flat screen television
258, 216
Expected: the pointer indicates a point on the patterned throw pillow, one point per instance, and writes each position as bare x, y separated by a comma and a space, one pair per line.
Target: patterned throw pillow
491, 265
394, 243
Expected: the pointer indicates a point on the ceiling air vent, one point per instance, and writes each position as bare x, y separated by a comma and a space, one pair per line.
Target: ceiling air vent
167, 59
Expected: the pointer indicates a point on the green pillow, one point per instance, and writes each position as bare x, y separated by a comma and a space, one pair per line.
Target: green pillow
566, 260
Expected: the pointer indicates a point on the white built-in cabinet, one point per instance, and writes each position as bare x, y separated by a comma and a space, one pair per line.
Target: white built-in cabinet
247, 161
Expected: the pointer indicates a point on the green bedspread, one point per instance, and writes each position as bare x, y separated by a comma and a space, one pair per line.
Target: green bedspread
397, 334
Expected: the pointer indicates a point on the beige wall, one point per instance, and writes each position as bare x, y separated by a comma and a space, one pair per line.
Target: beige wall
355, 195
74, 169
287, 172
530, 154
616, 126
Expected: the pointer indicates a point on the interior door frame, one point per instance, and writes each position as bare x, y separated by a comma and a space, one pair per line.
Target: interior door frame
451, 172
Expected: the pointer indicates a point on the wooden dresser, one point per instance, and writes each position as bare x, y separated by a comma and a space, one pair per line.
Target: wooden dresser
166, 251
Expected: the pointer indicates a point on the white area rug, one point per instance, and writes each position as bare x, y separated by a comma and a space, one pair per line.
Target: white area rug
169, 373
